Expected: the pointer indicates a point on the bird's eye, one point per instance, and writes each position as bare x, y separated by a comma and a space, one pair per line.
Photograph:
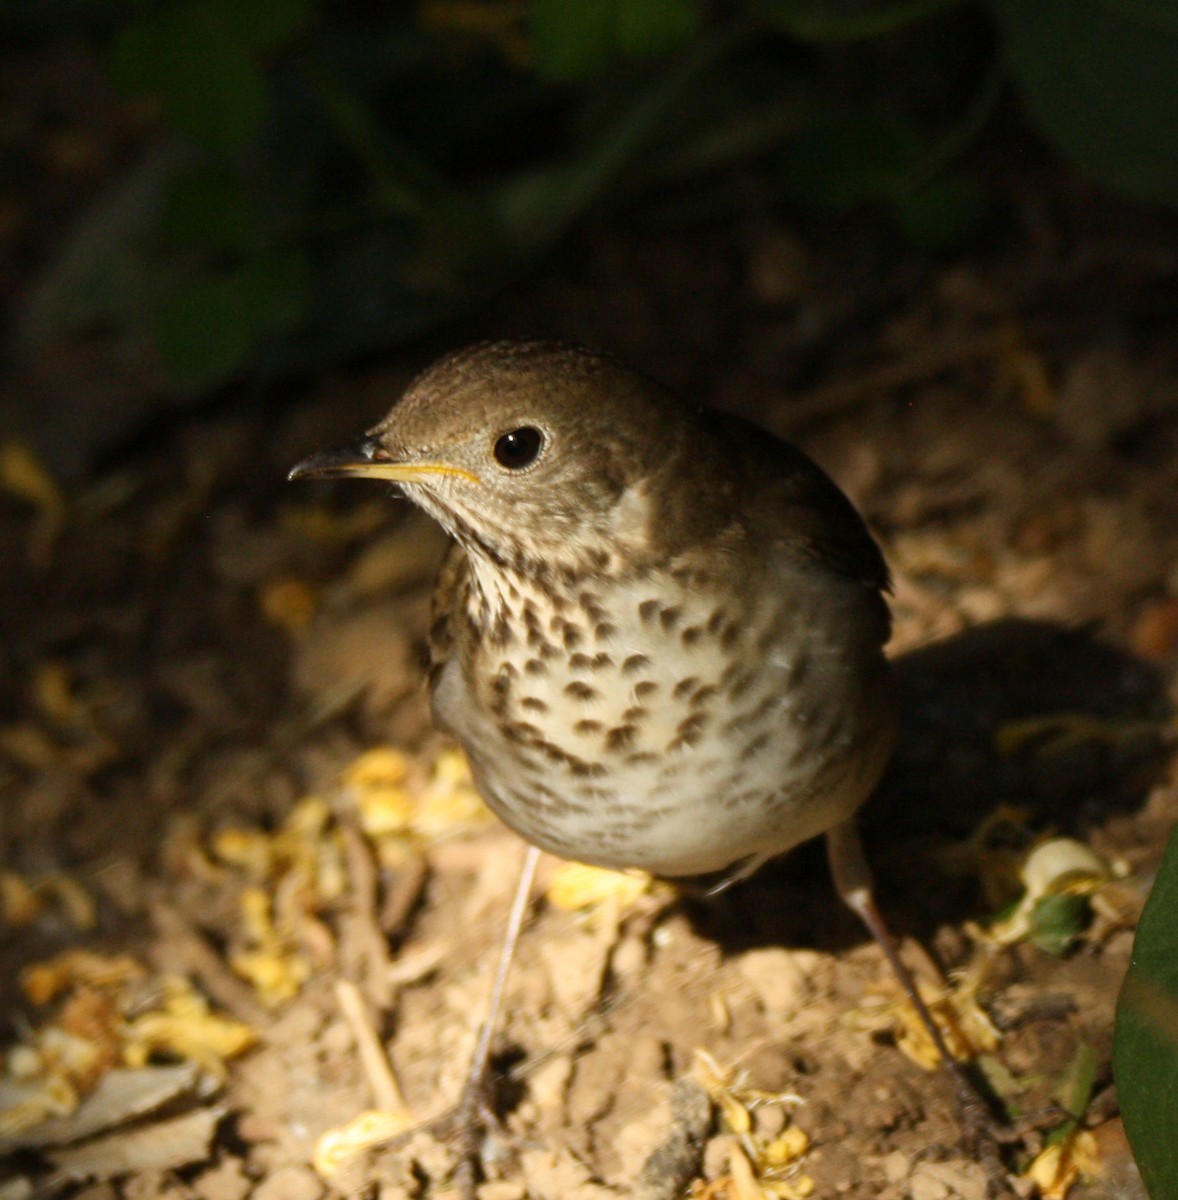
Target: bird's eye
519, 448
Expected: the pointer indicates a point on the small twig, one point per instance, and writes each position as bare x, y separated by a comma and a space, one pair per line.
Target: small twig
183, 942
365, 949
386, 1092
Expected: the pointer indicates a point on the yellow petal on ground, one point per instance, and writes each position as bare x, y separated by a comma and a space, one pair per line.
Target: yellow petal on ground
1063, 1164
275, 975
29, 745
363, 1132
446, 808
400, 811
964, 1025
308, 818
575, 886
384, 811
22, 474
787, 1148
53, 693
288, 604
70, 897
19, 902
41, 982
247, 849
451, 767
185, 1028
1056, 867
382, 766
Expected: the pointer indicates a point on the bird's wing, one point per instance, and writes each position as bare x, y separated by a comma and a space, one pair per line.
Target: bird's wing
822, 527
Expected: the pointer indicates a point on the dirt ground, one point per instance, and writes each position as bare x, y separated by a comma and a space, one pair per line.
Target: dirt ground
217, 765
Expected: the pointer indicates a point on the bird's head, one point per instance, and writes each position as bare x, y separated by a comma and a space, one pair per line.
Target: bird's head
532, 452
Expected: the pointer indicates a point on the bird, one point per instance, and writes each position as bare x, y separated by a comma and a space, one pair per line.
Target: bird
659, 630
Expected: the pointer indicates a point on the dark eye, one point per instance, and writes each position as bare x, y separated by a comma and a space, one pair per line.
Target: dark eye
519, 448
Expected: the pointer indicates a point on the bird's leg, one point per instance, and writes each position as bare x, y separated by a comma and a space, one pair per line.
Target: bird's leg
854, 884
471, 1110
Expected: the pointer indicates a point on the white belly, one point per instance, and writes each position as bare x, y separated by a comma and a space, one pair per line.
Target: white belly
642, 739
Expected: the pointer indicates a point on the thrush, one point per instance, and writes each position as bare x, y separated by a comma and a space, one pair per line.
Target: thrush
659, 633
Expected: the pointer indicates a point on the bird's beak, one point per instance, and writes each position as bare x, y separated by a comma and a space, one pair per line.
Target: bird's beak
368, 459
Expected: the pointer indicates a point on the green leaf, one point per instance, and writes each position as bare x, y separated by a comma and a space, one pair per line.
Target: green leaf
655, 26
851, 159
572, 38
191, 58
1145, 1048
265, 24
1100, 79
941, 213
205, 332
813, 21
277, 285
210, 328
208, 208
1056, 922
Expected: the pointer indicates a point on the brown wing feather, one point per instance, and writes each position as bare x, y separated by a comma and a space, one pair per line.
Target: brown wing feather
824, 526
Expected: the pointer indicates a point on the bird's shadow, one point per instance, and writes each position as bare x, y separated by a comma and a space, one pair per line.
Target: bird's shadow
1027, 714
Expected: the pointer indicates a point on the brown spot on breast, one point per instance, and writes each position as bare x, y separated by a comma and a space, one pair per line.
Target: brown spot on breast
603, 631
648, 611
572, 636
716, 620
685, 687
635, 663
583, 769
591, 606
520, 731
590, 662
535, 666
647, 687
691, 635
689, 732
501, 633
588, 727
620, 737
534, 703
702, 695
581, 691
638, 757
670, 617
691, 727
729, 635
635, 713
759, 743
